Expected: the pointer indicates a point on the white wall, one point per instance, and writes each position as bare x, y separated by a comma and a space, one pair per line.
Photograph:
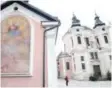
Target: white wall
51, 58
82, 50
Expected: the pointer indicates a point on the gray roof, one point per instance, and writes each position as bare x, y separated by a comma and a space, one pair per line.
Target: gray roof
98, 22
75, 21
31, 8
63, 54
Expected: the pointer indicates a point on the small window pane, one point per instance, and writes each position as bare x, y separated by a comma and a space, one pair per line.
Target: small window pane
79, 40
105, 38
67, 65
96, 55
72, 41
92, 55
87, 41
103, 29
110, 57
77, 29
83, 66
82, 58
97, 40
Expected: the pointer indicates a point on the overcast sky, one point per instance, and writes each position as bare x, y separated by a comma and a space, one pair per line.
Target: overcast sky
83, 9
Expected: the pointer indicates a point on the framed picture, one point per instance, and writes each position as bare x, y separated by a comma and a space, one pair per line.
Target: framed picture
15, 46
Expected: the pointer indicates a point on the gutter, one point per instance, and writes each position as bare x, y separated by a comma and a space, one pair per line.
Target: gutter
44, 48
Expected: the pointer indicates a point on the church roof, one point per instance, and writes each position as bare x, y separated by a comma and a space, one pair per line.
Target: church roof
30, 7
75, 21
98, 22
86, 28
63, 54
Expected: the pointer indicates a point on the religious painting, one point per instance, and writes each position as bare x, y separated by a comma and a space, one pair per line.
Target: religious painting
15, 46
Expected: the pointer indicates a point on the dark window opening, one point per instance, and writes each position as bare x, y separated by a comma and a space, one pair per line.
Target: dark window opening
110, 57
83, 66
97, 40
97, 71
103, 29
105, 38
67, 65
79, 39
15, 8
87, 41
82, 58
58, 62
77, 29
92, 55
72, 41
96, 55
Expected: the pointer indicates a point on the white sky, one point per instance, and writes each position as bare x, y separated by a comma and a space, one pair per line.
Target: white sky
83, 9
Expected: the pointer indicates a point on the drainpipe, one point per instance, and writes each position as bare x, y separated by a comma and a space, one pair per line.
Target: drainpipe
44, 48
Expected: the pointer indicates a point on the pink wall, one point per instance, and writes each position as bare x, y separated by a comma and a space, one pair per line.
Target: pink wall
69, 72
36, 79
61, 67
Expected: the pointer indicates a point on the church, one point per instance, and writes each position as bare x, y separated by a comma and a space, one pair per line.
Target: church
87, 51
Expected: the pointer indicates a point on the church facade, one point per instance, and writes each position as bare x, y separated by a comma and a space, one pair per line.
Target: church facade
87, 51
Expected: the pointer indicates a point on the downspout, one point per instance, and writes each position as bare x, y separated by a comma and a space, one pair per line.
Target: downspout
44, 49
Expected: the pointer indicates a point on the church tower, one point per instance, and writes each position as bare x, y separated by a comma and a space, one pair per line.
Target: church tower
101, 31
75, 21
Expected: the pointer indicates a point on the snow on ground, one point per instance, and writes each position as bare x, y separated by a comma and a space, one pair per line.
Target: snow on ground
82, 84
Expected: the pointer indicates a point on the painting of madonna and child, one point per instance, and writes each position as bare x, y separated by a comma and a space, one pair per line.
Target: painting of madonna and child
15, 46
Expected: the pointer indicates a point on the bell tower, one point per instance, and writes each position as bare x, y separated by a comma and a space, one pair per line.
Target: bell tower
75, 21
102, 37
98, 22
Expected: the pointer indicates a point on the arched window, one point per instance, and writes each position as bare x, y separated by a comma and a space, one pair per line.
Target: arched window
79, 39
106, 39
67, 65
83, 66
72, 41
87, 41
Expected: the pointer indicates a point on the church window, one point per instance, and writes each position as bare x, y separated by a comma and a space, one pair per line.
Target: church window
79, 39
82, 58
97, 40
110, 57
77, 29
67, 65
105, 38
92, 55
87, 41
83, 66
15, 8
103, 29
72, 41
96, 55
